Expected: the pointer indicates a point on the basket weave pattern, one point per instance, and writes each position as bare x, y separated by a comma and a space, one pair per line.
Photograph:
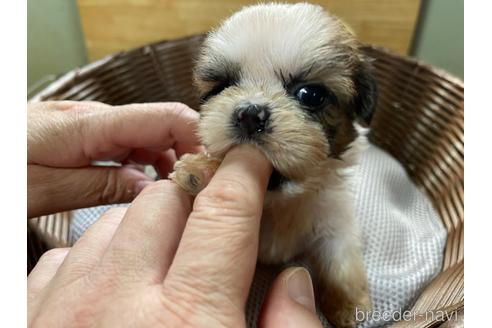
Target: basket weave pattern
419, 121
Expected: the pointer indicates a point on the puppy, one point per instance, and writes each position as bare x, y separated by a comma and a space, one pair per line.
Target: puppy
292, 80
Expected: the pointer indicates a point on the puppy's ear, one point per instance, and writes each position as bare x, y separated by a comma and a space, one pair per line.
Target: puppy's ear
367, 93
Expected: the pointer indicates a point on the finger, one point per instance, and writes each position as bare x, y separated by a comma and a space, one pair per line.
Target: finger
290, 302
175, 125
44, 271
92, 132
61, 105
52, 190
156, 220
163, 161
91, 246
220, 241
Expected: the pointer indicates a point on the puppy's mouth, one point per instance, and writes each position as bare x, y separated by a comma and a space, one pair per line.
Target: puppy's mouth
276, 180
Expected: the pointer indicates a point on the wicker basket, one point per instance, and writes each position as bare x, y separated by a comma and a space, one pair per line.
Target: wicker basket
419, 121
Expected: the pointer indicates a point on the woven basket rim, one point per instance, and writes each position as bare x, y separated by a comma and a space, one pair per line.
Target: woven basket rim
78, 72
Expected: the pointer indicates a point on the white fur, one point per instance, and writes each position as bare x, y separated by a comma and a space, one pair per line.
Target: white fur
327, 213
264, 38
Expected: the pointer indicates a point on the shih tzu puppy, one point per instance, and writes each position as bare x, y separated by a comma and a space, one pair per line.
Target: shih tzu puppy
292, 80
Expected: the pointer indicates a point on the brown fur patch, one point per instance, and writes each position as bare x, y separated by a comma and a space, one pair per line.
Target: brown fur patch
339, 132
341, 287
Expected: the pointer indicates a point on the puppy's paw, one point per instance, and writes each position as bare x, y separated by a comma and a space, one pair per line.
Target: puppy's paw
193, 172
346, 309
341, 283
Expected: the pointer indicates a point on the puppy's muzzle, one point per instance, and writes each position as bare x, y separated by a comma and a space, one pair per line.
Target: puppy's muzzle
251, 120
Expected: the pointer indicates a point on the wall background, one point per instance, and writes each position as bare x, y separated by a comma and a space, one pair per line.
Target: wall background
56, 41
439, 38
111, 26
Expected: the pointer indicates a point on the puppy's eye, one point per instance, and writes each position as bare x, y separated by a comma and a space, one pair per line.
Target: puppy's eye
216, 90
312, 95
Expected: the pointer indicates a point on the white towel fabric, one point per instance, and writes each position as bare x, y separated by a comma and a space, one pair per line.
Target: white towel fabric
403, 238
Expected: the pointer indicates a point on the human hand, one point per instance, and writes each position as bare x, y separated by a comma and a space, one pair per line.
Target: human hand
155, 264
65, 137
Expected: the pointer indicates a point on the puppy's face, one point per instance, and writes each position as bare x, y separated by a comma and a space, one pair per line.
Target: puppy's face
289, 79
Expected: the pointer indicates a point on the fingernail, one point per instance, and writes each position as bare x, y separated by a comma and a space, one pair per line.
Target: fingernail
300, 288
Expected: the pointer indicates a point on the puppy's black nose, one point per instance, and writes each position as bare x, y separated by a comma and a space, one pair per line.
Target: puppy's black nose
252, 119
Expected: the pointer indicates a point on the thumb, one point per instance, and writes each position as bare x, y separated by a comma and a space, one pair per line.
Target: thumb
290, 302
51, 190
